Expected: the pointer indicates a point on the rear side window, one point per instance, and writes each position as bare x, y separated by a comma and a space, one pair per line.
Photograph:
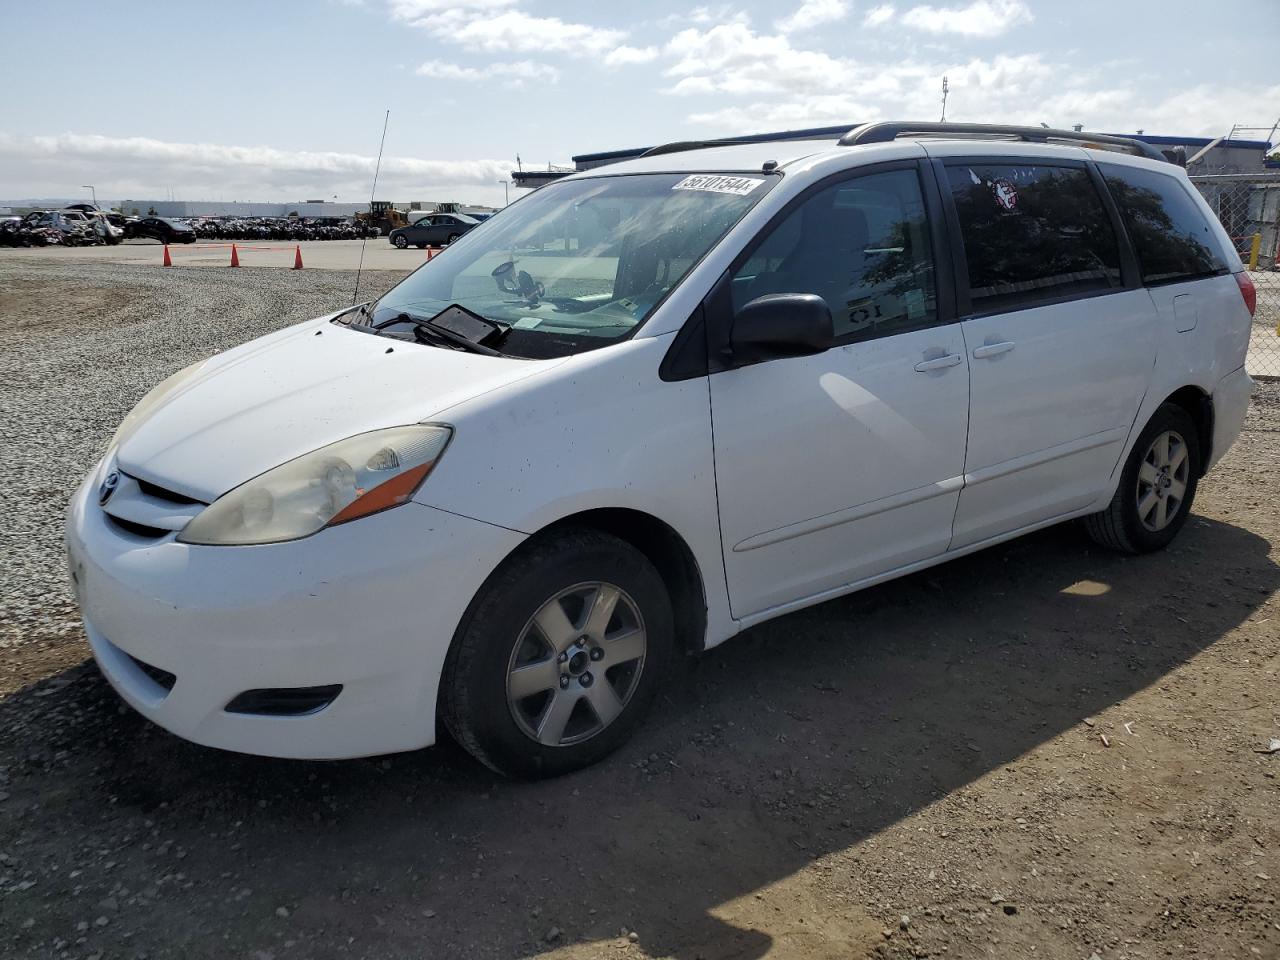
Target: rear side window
1032, 233
1171, 236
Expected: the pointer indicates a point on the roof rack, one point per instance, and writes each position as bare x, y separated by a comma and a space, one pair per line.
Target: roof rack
680, 146
888, 131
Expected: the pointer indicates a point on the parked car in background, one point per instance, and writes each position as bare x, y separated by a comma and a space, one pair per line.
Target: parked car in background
506, 495
97, 221
71, 227
164, 229
436, 230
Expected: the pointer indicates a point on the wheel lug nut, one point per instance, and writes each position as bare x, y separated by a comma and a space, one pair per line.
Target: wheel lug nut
585, 679
564, 681
597, 653
563, 658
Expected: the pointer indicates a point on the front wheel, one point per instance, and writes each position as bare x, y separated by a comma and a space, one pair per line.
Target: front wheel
1157, 486
452, 237
401, 242
559, 656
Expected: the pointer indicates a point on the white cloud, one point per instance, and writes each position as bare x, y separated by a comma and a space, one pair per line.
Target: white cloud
731, 58
878, 16
511, 73
1023, 89
720, 13
819, 111
813, 13
514, 30
133, 166
627, 56
982, 18
494, 26
414, 11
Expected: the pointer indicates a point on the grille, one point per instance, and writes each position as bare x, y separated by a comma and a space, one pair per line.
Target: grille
163, 678
284, 701
137, 529
168, 496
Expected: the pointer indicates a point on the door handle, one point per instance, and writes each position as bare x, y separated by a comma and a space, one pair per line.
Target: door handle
938, 363
992, 349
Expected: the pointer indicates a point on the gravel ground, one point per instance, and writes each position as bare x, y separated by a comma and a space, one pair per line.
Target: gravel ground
80, 345
1041, 750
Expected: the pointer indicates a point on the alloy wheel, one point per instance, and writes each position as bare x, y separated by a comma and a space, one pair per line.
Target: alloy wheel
1163, 476
576, 664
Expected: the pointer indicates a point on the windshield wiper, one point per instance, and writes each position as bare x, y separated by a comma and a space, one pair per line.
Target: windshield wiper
425, 331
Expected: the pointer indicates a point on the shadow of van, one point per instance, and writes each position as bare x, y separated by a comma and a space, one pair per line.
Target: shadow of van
802, 738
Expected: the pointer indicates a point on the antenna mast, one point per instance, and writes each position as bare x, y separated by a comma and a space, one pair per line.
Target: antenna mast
372, 193
945, 90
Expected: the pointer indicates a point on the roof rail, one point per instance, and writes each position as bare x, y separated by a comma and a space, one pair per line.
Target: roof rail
681, 146
887, 131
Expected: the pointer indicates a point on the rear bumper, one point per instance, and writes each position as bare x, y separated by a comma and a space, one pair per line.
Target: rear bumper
1230, 406
370, 605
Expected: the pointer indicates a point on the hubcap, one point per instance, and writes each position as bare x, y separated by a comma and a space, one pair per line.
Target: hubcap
576, 664
1162, 481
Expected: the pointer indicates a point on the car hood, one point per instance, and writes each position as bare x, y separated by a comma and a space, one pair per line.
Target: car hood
294, 391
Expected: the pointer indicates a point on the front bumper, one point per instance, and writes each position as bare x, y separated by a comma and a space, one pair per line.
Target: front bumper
371, 605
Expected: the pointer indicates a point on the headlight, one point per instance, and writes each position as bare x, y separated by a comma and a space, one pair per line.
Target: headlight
149, 402
345, 480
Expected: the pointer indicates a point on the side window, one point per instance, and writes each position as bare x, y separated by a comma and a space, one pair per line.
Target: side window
863, 246
1032, 233
1170, 234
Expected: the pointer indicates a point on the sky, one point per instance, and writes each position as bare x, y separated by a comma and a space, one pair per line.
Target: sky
284, 100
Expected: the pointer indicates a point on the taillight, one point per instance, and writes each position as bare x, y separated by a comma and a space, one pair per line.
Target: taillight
1248, 291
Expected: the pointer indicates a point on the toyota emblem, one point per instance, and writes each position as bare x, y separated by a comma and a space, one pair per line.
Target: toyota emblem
108, 487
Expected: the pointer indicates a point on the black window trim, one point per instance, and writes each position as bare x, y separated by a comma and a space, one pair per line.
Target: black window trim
715, 313
1101, 172
1129, 276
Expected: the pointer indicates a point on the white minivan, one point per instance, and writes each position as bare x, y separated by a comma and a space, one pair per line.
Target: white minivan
644, 408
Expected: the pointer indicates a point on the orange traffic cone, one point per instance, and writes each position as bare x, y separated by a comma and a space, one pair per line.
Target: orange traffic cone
431, 252
297, 257
168, 261
235, 256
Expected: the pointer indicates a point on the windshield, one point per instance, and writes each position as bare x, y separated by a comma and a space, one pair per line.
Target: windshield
579, 264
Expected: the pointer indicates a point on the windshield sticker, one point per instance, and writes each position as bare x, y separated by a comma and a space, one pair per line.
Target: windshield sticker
714, 183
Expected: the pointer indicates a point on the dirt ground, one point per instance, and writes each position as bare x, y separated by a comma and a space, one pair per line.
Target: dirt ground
1041, 750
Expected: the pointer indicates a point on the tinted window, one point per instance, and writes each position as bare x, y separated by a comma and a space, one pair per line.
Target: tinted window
1169, 231
863, 246
1032, 233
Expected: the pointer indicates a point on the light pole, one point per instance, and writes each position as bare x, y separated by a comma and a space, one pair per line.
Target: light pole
89, 187
506, 196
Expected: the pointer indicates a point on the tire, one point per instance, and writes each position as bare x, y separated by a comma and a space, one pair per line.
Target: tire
1136, 521
501, 634
401, 243
452, 237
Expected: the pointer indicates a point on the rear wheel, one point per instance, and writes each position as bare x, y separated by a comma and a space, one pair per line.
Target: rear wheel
559, 656
452, 237
1156, 489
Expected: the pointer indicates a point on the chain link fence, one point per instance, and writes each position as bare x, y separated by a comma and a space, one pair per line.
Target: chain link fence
1249, 207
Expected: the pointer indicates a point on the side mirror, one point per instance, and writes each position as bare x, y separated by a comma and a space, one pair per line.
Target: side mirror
781, 325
